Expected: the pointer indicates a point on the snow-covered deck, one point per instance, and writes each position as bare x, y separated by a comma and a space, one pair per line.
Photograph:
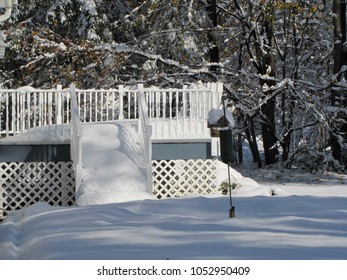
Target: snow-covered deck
135, 119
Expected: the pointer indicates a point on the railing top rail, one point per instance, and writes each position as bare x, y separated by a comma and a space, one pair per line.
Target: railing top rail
145, 89
27, 89
107, 90
175, 90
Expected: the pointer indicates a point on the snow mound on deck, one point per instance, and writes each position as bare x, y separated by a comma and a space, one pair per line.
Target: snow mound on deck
112, 162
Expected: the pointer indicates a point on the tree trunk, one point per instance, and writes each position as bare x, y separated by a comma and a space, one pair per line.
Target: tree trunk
213, 45
252, 141
268, 132
338, 98
288, 102
268, 109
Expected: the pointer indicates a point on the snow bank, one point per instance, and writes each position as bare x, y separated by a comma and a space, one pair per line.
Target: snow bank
292, 227
117, 219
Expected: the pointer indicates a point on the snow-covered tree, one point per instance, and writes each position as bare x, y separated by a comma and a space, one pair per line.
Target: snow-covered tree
283, 51
61, 41
275, 58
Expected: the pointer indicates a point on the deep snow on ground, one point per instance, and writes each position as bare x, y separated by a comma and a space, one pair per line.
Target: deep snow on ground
117, 219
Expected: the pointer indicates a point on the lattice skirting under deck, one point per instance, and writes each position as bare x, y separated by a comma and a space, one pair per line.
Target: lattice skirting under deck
25, 183
175, 178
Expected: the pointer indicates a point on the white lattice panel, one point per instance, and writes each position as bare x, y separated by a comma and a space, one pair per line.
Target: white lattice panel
175, 178
24, 183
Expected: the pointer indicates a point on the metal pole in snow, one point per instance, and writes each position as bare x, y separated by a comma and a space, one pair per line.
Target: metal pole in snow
232, 208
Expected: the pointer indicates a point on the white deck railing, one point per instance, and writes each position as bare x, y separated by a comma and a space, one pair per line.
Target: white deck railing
107, 105
174, 113
27, 108
182, 113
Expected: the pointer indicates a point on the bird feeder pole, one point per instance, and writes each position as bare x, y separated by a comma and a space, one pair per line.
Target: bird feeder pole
232, 208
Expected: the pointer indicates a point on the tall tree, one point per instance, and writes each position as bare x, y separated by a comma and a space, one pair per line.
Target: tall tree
258, 39
339, 95
286, 46
267, 69
211, 33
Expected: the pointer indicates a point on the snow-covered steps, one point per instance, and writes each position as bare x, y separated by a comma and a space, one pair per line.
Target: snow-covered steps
112, 164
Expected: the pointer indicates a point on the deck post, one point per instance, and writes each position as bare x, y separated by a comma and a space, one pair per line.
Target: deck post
121, 95
58, 100
218, 99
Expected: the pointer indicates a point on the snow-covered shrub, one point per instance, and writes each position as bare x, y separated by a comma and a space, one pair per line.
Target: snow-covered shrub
314, 160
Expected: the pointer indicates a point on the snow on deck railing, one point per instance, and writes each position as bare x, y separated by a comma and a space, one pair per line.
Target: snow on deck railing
27, 108
107, 105
182, 113
146, 132
174, 113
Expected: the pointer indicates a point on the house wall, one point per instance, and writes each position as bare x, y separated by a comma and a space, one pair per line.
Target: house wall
34, 153
200, 150
185, 149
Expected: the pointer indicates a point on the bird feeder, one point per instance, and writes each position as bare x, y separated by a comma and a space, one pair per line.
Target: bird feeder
221, 122
219, 119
